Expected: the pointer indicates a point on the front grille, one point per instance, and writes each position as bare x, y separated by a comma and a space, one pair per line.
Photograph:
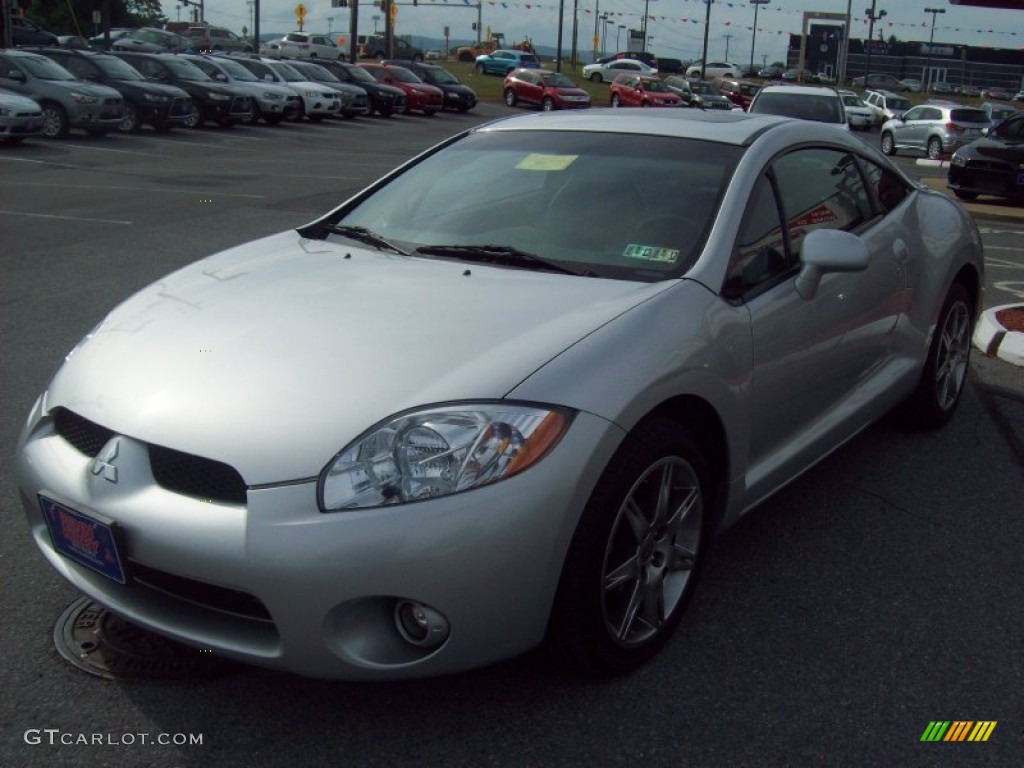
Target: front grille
173, 470
195, 476
200, 593
241, 105
112, 108
84, 435
988, 165
361, 101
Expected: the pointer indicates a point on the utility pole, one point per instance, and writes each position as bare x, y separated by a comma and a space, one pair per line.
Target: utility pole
870, 13
727, 39
753, 38
643, 27
707, 25
931, 39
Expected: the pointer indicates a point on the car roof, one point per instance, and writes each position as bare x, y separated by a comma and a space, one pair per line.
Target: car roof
799, 89
726, 127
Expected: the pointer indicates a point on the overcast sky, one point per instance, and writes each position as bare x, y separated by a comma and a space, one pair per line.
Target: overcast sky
675, 26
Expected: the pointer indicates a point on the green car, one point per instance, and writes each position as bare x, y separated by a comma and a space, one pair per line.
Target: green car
502, 62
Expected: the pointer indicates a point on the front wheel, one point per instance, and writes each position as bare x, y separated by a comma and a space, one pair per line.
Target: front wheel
596, 78
615, 100
510, 97
634, 558
548, 105
888, 144
55, 121
131, 121
945, 371
480, 69
196, 118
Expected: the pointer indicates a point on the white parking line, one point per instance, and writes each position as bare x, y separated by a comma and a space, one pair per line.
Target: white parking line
189, 143
66, 218
109, 149
1003, 248
135, 189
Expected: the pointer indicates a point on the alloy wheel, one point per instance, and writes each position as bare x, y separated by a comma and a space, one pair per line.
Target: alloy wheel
953, 355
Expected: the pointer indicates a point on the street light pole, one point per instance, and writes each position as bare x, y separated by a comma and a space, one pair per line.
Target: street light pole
870, 13
931, 39
707, 25
618, 46
643, 27
727, 39
753, 38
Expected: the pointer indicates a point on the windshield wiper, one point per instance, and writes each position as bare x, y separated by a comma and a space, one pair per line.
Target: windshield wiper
501, 255
364, 235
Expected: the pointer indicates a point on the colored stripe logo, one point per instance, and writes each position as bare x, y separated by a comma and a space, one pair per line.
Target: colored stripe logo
958, 730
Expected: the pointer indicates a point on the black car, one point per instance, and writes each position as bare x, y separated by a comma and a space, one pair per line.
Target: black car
159, 105
991, 165
880, 81
27, 32
457, 95
220, 103
697, 93
385, 100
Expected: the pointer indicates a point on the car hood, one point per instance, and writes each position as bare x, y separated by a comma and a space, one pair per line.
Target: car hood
147, 86
15, 101
274, 355
80, 86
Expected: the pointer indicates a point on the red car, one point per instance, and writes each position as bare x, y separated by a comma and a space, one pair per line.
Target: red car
548, 90
739, 92
642, 91
420, 97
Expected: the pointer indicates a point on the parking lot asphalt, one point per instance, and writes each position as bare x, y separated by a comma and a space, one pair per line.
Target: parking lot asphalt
879, 592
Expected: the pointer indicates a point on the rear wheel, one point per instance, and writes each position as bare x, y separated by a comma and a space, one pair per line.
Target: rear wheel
196, 117
548, 105
596, 77
480, 69
934, 148
888, 144
130, 121
615, 100
510, 97
633, 562
945, 371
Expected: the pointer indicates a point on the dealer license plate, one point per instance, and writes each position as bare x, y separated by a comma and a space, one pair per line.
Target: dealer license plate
87, 539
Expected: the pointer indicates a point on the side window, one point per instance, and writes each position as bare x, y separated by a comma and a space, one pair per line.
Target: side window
76, 67
917, 113
760, 253
149, 68
820, 189
887, 188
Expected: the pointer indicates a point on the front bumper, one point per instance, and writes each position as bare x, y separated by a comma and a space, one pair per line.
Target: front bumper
276, 583
21, 125
106, 113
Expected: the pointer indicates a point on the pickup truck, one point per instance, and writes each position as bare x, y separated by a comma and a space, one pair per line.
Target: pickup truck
375, 47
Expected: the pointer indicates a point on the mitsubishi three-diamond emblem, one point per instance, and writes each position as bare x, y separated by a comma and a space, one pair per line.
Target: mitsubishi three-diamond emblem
104, 461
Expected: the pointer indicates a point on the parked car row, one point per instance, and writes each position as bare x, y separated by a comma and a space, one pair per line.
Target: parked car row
48, 91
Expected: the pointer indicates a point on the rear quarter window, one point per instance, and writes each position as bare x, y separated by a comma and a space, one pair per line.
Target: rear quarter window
968, 116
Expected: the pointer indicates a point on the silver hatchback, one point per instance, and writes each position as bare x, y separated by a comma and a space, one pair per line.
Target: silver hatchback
936, 129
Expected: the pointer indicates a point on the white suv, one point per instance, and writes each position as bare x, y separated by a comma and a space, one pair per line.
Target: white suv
885, 104
714, 69
302, 45
806, 102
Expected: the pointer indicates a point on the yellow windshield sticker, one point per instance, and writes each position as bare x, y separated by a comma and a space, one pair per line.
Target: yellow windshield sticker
538, 162
651, 253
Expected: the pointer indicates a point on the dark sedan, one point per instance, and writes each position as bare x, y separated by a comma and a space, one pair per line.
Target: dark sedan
457, 95
992, 165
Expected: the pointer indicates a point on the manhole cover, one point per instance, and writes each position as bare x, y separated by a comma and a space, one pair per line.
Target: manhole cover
102, 644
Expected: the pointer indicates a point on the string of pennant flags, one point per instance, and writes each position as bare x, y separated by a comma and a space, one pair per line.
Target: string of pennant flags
699, 19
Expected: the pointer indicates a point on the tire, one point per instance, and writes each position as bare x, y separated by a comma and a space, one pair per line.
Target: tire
131, 122
548, 105
945, 371
645, 104
480, 69
312, 55
888, 144
596, 78
510, 97
934, 148
196, 116
968, 196
385, 111
254, 117
55, 121
615, 101
635, 556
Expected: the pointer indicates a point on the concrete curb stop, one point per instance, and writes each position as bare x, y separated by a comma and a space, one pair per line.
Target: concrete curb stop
995, 340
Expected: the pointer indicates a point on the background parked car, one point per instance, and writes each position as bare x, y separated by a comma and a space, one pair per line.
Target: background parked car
220, 103
646, 57
885, 105
151, 40
501, 62
698, 93
995, 92
770, 73
99, 42
354, 100
940, 87
935, 129
375, 47
609, 70
20, 117
992, 164
317, 103
714, 69
385, 99
997, 112
420, 96
208, 38
66, 101
640, 91
73, 41
303, 45
272, 102
159, 105
739, 92
805, 102
457, 95
858, 114
879, 81
548, 90
26, 32
911, 85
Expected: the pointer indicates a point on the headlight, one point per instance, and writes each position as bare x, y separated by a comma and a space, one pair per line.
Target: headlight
4, 111
219, 97
439, 451
958, 160
154, 99
83, 98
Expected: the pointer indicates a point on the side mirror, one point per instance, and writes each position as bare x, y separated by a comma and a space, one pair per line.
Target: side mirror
829, 250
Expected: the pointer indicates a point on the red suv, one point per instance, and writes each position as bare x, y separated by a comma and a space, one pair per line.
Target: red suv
548, 90
739, 92
642, 91
420, 96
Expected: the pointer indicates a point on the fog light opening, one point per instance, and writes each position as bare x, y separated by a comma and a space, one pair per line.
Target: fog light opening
420, 625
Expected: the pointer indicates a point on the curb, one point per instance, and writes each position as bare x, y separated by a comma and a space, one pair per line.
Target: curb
994, 340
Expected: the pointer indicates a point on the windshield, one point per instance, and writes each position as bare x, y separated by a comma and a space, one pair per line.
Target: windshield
262, 71
114, 68
557, 80
44, 68
185, 69
403, 75
806, 106
541, 192
236, 70
358, 73
442, 77
852, 101
316, 72
705, 89
655, 85
901, 104
289, 73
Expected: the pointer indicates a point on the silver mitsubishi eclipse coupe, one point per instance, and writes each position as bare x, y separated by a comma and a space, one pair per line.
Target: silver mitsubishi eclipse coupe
500, 398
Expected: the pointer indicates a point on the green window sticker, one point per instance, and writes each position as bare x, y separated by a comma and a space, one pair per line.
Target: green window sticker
535, 161
651, 253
